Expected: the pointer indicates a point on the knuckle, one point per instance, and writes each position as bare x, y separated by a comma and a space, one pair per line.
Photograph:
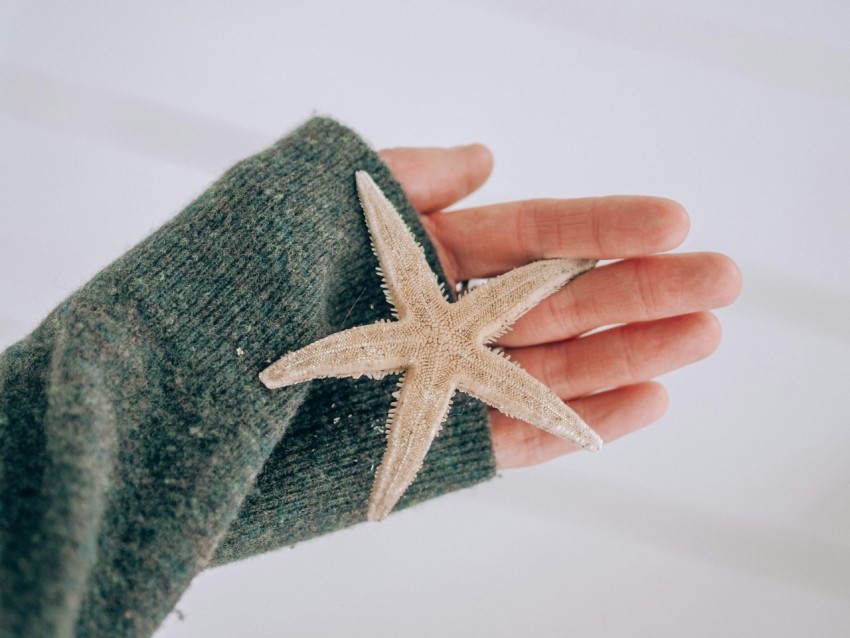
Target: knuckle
632, 368
564, 323
539, 229
644, 292
554, 373
594, 221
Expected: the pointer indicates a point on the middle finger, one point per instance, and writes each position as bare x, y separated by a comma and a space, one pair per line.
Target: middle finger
641, 289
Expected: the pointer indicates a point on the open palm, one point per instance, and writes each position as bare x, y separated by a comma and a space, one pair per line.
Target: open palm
659, 304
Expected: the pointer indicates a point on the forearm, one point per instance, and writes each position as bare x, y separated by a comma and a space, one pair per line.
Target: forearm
137, 444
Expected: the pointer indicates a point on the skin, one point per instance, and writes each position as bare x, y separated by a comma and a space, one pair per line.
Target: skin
660, 303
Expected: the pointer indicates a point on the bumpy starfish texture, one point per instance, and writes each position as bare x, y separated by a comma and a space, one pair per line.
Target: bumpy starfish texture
439, 347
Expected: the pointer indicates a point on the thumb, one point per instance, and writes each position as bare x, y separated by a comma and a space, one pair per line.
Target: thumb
434, 178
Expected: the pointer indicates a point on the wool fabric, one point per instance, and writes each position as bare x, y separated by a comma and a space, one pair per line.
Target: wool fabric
137, 444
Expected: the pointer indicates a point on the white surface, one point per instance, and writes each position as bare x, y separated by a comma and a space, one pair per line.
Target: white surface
732, 515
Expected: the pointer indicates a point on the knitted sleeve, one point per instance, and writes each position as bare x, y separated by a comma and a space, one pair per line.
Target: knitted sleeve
137, 445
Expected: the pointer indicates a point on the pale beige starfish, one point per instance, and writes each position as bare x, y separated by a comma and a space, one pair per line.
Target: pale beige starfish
439, 347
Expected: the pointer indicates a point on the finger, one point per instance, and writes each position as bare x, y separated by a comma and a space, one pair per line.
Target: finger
612, 414
434, 178
621, 356
489, 240
632, 290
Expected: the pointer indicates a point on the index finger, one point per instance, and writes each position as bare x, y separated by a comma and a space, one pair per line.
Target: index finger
489, 240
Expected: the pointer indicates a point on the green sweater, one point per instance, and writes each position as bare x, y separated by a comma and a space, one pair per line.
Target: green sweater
137, 445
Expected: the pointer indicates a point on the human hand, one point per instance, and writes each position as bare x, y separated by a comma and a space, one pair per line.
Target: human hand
658, 303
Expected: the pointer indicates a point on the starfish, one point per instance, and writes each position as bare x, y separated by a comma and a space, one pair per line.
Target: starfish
439, 347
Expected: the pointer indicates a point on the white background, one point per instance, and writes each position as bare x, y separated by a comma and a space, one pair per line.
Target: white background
730, 517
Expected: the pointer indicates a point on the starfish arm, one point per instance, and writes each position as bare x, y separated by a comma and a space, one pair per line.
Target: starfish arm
502, 384
415, 419
497, 304
374, 350
410, 284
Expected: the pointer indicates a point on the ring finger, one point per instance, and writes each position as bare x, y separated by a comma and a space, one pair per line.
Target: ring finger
641, 289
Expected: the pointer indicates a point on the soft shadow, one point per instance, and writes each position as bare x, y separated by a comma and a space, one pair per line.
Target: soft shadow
754, 548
